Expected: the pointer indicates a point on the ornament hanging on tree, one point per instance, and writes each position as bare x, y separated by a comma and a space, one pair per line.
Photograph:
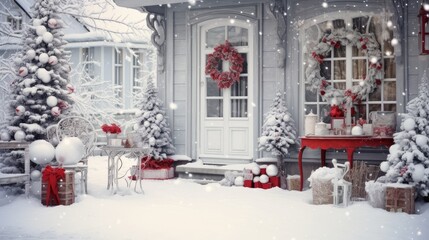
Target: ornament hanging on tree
421, 140
146, 124
159, 117
43, 58
39, 40
53, 60
55, 111
52, 23
63, 104
48, 37
37, 22
31, 54
43, 75
23, 71
70, 88
409, 124
52, 101
19, 135
20, 110
4, 136
40, 30
152, 141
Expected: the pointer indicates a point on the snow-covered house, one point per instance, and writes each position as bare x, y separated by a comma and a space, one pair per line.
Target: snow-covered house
275, 37
118, 60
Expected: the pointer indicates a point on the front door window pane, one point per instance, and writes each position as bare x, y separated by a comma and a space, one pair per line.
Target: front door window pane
237, 36
214, 108
215, 36
239, 108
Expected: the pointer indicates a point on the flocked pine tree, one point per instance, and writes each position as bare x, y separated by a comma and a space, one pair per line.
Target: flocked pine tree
41, 87
153, 125
408, 161
278, 132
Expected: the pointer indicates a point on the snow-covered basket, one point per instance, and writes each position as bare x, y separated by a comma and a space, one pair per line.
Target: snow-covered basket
321, 184
376, 192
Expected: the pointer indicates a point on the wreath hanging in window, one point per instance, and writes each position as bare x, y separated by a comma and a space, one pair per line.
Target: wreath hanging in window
225, 52
345, 98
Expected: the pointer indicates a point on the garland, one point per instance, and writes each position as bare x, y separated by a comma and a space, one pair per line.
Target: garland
224, 52
345, 98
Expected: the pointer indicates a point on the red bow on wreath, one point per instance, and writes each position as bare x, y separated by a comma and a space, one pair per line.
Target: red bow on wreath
51, 176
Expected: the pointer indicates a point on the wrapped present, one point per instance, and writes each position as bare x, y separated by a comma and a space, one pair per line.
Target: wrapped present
57, 186
293, 182
248, 183
267, 185
154, 169
275, 181
263, 171
321, 184
400, 198
257, 184
158, 174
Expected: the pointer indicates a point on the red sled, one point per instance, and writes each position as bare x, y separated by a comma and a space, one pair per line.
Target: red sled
248, 183
266, 185
275, 181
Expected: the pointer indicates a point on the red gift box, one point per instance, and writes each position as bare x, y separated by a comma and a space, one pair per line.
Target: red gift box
263, 171
267, 185
275, 181
248, 183
258, 185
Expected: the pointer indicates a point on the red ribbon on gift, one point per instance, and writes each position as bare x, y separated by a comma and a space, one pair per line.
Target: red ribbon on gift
150, 163
51, 176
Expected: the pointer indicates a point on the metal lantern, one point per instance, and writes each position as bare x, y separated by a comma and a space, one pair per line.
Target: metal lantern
424, 29
342, 188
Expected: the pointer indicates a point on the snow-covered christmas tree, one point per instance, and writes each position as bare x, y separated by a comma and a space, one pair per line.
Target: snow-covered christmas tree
41, 87
408, 161
278, 132
152, 124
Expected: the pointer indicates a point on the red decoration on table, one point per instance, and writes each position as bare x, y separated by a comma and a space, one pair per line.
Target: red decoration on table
224, 52
51, 176
113, 128
336, 111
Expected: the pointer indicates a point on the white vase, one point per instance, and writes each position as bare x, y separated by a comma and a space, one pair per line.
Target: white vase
111, 138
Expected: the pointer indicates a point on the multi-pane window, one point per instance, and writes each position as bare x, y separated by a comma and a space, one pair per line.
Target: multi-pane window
137, 70
87, 59
119, 73
345, 66
15, 22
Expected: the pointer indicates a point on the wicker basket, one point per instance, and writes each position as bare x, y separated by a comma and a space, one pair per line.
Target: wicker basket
65, 191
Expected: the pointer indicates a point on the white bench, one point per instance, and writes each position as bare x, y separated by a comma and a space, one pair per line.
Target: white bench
10, 178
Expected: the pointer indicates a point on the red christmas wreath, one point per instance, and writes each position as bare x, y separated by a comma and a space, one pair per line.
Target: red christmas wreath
225, 52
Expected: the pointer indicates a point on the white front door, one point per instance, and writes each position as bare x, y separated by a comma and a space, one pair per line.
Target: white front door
226, 115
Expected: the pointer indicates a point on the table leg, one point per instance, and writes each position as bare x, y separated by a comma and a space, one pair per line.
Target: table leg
350, 152
323, 157
301, 174
139, 175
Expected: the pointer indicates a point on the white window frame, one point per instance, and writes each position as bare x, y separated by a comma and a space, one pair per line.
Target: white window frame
15, 22
88, 60
138, 56
349, 75
116, 85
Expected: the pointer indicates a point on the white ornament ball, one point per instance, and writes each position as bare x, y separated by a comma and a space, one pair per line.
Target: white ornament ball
159, 117
55, 111
36, 189
394, 148
139, 113
52, 101
136, 126
52, 23
19, 135
43, 75
256, 179
5, 136
146, 123
39, 40
272, 170
419, 173
23, 71
286, 118
421, 140
256, 170
43, 58
239, 181
53, 60
70, 88
48, 37
152, 141
263, 140
40, 30
41, 152
37, 22
20, 110
409, 156
357, 130
70, 151
271, 121
31, 54
384, 166
35, 175
409, 124
263, 178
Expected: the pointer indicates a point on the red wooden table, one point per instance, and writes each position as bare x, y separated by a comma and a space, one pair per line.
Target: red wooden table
350, 143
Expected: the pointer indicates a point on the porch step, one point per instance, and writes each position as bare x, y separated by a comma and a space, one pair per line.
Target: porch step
200, 171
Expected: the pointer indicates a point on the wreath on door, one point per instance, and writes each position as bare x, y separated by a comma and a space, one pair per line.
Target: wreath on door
224, 52
338, 97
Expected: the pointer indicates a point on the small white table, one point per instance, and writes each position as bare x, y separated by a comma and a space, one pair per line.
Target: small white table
114, 164
19, 177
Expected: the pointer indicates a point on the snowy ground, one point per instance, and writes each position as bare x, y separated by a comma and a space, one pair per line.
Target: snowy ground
181, 209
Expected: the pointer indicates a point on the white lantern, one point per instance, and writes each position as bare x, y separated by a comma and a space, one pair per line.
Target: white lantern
342, 189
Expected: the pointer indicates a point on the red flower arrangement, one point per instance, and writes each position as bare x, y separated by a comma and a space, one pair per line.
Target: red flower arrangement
224, 52
113, 128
